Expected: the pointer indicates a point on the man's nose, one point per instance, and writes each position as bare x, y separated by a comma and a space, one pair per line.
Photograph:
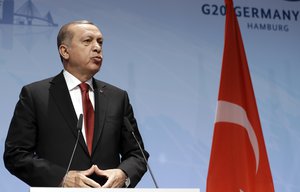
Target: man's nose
97, 47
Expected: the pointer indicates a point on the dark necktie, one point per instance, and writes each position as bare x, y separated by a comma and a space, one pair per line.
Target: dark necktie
88, 114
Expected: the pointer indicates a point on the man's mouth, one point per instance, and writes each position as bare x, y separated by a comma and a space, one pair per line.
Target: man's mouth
97, 59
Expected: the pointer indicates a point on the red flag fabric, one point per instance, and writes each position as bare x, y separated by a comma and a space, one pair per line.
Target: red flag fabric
238, 161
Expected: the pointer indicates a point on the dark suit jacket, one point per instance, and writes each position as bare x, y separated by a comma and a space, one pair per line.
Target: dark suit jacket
43, 132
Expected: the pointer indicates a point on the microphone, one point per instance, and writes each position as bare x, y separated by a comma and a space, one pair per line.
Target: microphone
78, 128
130, 129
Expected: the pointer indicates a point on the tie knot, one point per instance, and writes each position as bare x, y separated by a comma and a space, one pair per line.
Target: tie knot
84, 87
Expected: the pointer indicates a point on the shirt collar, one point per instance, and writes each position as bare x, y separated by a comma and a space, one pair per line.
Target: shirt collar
73, 82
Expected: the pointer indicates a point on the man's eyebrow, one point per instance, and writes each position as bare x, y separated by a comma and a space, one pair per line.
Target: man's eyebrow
92, 36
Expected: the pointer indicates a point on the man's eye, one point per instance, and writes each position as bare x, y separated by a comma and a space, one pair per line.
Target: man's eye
87, 41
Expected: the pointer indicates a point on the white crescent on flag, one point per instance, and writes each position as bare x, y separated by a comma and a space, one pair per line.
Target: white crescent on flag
233, 113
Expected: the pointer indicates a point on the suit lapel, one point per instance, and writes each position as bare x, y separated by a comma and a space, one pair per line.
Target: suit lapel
100, 110
61, 95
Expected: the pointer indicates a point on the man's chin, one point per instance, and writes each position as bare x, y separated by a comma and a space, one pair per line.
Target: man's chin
95, 70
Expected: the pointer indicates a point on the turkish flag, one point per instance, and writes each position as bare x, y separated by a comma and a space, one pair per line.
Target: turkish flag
238, 161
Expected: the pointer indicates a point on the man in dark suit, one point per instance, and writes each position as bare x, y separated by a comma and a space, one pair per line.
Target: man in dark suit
43, 131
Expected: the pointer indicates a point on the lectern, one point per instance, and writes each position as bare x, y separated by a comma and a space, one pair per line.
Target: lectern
56, 189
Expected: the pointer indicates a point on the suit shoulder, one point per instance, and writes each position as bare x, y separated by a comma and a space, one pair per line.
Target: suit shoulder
40, 84
107, 86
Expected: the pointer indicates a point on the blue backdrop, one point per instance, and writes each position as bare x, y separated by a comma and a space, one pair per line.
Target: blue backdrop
167, 54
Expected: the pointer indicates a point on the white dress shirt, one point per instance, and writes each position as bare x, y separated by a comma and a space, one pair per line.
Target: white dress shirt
75, 93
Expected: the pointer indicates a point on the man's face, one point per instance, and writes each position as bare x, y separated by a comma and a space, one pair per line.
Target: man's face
84, 51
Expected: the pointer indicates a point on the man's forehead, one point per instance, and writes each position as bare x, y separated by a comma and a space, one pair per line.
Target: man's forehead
85, 29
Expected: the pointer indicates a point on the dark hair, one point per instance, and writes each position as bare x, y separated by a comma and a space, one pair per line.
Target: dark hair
65, 35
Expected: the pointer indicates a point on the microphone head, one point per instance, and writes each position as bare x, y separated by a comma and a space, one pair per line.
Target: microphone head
128, 124
79, 123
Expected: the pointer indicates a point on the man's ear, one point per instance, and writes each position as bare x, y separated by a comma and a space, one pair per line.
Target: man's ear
63, 51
